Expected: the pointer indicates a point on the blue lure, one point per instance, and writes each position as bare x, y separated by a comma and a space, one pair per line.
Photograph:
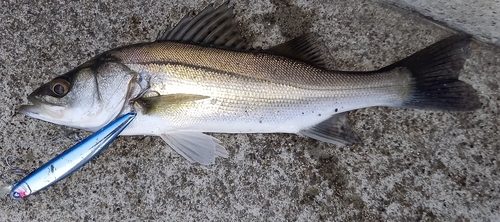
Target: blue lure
70, 160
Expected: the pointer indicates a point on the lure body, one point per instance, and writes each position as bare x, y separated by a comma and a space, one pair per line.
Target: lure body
70, 160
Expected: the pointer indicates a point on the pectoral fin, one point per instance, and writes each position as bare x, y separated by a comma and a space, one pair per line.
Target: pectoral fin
335, 130
196, 147
166, 104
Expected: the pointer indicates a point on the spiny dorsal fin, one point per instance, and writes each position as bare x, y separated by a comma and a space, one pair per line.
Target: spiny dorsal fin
214, 27
334, 130
303, 48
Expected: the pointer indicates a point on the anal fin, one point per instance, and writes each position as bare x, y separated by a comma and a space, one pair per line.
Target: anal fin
196, 147
334, 130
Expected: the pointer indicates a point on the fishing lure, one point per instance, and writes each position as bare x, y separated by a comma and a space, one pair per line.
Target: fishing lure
70, 160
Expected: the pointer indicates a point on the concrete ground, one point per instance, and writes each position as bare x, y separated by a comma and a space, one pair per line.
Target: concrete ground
412, 164
476, 17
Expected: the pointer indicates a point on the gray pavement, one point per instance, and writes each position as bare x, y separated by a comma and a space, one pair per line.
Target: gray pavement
476, 17
412, 164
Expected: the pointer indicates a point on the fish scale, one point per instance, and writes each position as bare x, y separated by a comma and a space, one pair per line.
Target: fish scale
246, 100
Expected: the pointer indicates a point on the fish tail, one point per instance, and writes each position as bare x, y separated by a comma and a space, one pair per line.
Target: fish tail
435, 72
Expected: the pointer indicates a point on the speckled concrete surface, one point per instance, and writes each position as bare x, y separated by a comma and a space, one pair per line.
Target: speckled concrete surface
412, 164
476, 17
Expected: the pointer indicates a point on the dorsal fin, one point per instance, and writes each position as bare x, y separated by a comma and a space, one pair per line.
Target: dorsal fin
303, 48
214, 27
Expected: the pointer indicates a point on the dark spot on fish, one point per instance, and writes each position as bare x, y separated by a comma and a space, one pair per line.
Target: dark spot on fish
319, 114
52, 168
302, 113
336, 110
260, 121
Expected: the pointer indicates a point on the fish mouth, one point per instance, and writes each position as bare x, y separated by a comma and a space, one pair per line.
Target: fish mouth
43, 111
30, 110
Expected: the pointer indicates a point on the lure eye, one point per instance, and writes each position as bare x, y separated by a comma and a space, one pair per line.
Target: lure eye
15, 195
60, 87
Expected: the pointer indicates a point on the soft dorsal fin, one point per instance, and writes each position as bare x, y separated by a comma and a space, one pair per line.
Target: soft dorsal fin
304, 48
214, 27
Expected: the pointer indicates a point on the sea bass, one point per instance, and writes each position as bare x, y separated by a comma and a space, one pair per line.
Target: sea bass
200, 76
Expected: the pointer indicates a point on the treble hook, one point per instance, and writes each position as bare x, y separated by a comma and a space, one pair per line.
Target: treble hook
13, 169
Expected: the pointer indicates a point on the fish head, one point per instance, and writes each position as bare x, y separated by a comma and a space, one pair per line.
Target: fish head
87, 97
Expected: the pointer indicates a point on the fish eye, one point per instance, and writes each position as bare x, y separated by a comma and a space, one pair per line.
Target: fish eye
60, 87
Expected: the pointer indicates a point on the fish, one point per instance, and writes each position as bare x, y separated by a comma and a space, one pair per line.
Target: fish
71, 159
201, 76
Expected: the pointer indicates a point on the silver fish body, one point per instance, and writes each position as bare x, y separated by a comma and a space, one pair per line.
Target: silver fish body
248, 92
194, 80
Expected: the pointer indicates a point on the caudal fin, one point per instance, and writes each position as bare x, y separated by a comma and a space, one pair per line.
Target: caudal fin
435, 72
